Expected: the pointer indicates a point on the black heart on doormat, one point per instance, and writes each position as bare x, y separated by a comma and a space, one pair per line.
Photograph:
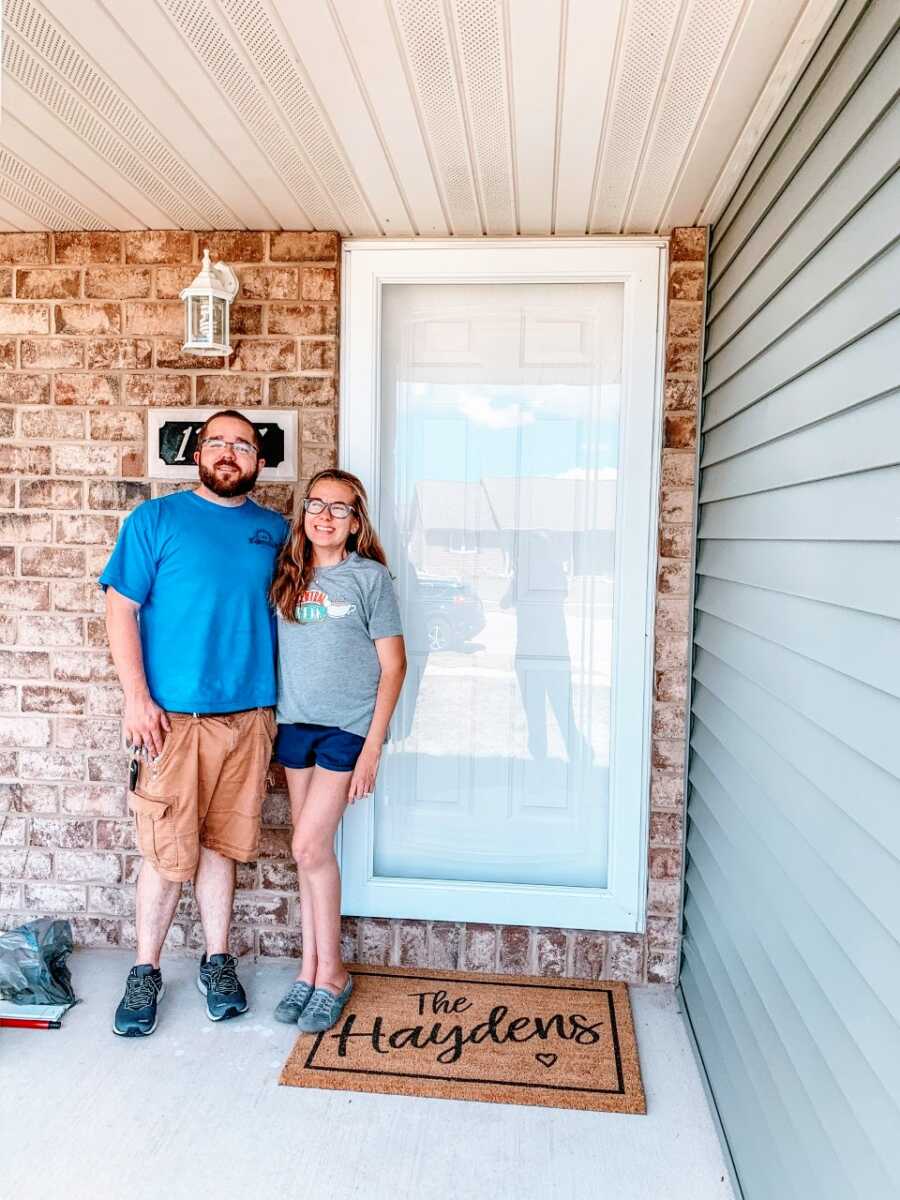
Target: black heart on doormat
546, 1060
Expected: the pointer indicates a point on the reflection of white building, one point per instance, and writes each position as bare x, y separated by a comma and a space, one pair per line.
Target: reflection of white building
467, 528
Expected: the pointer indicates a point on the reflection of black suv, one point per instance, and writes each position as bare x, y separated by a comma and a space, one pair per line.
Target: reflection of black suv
451, 612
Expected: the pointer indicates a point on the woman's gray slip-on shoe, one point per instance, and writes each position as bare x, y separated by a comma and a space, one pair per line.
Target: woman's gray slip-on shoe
323, 1009
293, 1002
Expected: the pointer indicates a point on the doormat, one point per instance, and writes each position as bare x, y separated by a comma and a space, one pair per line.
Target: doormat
506, 1039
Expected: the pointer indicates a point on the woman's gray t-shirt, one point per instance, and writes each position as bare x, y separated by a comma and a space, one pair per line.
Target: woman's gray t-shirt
328, 668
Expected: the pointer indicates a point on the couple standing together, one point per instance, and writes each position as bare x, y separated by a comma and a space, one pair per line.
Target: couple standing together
218, 610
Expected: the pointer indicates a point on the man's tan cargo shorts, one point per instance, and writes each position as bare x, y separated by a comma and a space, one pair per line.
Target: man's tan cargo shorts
205, 789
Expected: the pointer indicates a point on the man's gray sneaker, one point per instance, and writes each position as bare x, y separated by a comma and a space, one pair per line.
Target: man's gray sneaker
323, 1009
290, 1007
136, 1014
218, 981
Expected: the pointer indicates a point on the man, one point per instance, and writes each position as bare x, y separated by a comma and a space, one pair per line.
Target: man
193, 640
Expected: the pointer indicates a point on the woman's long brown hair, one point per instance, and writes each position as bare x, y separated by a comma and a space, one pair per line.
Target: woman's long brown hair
294, 568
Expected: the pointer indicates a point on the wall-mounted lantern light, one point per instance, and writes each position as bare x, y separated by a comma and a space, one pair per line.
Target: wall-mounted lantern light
206, 308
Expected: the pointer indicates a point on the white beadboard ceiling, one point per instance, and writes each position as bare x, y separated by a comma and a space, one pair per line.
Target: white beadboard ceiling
390, 117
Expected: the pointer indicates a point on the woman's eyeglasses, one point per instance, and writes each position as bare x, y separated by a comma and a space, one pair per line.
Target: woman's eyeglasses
338, 509
245, 449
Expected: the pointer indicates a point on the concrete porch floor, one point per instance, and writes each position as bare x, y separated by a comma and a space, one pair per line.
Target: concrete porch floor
196, 1110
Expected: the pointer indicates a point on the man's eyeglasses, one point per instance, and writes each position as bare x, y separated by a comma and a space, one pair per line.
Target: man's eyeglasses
338, 509
245, 449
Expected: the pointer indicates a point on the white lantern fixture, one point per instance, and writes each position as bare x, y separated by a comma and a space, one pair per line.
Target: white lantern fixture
207, 303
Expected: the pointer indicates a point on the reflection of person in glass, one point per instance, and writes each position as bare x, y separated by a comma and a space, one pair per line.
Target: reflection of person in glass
538, 589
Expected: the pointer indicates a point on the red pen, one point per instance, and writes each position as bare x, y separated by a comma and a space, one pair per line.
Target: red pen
28, 1023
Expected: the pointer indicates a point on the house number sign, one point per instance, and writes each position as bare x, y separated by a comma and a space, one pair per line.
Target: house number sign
172, 440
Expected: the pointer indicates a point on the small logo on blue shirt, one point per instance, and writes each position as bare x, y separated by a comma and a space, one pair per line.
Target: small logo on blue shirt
262, 537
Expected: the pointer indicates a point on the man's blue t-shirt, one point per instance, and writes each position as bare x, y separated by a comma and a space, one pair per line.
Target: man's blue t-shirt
201, 573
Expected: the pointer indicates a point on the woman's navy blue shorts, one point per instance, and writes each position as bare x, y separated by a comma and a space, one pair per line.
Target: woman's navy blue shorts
325, 746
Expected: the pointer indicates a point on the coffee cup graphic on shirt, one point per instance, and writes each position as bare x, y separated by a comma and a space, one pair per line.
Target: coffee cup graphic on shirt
316, 606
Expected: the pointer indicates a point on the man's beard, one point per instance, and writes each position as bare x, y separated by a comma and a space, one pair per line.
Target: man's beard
240, 484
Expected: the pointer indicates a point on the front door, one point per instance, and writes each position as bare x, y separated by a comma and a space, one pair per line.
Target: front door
507, 438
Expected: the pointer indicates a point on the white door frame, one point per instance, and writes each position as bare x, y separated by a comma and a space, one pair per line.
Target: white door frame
640, 264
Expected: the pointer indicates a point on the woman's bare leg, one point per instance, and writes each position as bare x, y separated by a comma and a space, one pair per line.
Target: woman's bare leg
298, 785
322, 809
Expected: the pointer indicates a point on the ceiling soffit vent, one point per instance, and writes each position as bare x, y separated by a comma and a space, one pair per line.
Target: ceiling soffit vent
34, 194
83, 99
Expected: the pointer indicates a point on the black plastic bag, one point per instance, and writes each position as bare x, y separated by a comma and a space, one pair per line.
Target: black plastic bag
33, 963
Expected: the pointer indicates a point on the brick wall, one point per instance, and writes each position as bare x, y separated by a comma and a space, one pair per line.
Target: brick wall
90, 335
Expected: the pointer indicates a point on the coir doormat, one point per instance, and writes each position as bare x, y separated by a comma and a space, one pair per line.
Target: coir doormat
507, 1039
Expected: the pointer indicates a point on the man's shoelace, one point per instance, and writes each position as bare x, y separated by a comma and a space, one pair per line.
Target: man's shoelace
223, 978
140, 991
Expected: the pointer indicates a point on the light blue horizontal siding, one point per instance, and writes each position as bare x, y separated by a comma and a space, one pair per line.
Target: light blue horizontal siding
791, 969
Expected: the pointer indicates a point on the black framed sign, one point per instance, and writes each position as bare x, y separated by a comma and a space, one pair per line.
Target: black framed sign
172, 439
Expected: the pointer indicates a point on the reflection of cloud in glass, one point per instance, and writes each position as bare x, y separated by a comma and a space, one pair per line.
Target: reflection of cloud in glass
483, 411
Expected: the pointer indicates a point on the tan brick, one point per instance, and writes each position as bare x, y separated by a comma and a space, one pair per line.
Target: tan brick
667, 752
24, 318
316, 458
25, 732
670, 653
318, 355
264, 354
672, 614
588, 955
681, 395
8, 762
680, 431
686, 281
625, 957
375, 940
87, 318
52, 424
86, 388
662, 966
270, 283
105, 701
683, 357
480, 947
674, 576
6, 282
97, 799
80, 459
668, 720
170, 281
666, 829
118, 283
158, 390
24, 248
246, 319
229, 391
56, 897
9, 698
676, 506
29, 797
8, 359
159, 246
232, 246
52, 563
54, 352
319, 426
671, 684
119, 354
7, 422
116, 835
117, 494
87, 529
50, 493
17, 664
69, 596
25, 460
22, 595
112, 901
117, 425
277, 496
300, 246
25, 527
47, 284
25, 389
291, 391
83, 666
94, 247
515, 949
688, 244
7, 493
96, 632
678, 469
676, 541
44, 765
73, 734
47, 632
302, 319
7, 560
26, 864
88, 866
318, 283
45, 699
685, 319
169, 355
151, 318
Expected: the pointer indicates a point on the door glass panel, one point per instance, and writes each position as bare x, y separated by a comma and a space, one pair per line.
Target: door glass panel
499, 471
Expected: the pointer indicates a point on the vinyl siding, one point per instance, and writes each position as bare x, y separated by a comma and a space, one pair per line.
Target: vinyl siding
791, 971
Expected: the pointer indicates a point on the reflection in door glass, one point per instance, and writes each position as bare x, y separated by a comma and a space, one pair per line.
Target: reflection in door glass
499, 470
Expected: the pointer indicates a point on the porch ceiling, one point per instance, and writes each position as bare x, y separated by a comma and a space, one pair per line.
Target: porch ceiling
389, 117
